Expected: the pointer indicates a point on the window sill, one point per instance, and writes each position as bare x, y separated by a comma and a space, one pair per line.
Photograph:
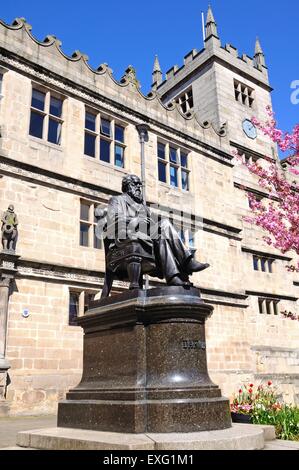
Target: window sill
45, 143
89, 248
264, 273
105, 164
245, 106
168, 186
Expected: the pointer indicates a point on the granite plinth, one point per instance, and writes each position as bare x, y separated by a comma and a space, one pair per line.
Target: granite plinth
145, 367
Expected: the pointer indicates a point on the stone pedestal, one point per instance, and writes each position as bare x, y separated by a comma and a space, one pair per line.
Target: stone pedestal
3, 384
4, 296
8, 271
145, 367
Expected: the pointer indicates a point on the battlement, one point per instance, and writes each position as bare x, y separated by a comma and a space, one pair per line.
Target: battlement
232, 50
213, 50
250, 67
190, 56
171, 72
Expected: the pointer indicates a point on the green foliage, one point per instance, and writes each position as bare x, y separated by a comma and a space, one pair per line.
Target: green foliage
284, 419
263, 406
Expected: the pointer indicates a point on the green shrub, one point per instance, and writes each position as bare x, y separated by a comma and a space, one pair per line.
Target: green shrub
263, 406
285, 419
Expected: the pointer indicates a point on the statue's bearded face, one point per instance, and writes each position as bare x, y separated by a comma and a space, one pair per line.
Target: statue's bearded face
135, 190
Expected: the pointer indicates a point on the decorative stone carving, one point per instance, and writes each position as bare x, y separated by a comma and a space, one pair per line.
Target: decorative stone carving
101, 101
8, 264
9, 229
130, 76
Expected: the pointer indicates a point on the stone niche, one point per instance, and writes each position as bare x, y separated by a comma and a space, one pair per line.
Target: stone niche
4, 405
3, 383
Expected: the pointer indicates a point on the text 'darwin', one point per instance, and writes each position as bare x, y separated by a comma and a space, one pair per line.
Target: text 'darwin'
191, 345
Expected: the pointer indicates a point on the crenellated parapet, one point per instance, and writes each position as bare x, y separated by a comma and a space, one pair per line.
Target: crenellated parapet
232, 50
190, 56
214, 51
19, 49
228, 53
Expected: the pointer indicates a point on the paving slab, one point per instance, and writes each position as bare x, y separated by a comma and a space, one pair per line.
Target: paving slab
282, 445
10, 426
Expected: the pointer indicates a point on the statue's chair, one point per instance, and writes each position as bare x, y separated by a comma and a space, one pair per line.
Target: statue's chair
126, 260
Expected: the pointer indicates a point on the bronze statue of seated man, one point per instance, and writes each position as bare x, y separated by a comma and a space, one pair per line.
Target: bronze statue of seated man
135, 244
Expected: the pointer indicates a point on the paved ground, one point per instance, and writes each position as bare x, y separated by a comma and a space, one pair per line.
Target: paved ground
9, 427
282, 445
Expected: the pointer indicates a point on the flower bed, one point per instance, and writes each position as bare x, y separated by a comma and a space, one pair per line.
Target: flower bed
261, 405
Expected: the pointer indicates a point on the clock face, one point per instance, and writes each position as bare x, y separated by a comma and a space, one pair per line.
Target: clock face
249, 129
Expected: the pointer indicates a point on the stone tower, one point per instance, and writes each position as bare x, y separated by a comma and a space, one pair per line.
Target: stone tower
221, 86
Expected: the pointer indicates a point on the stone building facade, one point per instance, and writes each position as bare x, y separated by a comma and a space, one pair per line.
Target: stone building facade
68, 136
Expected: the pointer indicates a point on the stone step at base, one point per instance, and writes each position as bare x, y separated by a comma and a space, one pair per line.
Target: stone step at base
17, 448
270, 445
239, 437
269, 431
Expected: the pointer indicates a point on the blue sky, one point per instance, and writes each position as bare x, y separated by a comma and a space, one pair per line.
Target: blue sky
131, 32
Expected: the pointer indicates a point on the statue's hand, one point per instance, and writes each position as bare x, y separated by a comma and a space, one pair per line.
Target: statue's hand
137, 228
132, 227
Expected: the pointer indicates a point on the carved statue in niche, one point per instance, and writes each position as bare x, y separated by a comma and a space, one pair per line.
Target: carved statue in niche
9, 229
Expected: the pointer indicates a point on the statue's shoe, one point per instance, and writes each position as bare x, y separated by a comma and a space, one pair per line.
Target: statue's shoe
177, 281
195, 266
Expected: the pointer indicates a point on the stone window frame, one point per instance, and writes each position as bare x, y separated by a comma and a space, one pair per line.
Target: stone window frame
268, 306
168, 164
3, 72
188, 238
82, 302
244, 94
99, 135
185, 100
263, 264
48, 92
249, 156
1, 83
93, 242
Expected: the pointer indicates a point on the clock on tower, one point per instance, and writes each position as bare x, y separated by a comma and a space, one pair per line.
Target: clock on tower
249, 129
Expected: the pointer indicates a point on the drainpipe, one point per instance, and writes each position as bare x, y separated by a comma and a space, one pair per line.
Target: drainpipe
143, 137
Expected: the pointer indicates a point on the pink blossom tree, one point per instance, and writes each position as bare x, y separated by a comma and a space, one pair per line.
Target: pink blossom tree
279, 216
